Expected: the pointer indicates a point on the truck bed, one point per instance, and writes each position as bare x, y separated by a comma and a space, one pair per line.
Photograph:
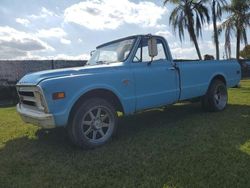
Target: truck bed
195, 76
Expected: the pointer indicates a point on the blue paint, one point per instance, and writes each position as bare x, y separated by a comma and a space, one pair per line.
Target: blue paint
138, 86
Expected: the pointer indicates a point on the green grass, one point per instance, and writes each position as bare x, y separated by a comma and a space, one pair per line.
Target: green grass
181, 146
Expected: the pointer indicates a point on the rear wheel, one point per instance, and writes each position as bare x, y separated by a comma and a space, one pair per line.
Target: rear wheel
216, 97
93, 123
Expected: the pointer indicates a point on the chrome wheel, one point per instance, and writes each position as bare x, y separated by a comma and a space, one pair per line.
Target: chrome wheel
220, 97
98, 124
215, 100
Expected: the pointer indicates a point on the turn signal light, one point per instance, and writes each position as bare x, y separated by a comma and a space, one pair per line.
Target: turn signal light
58, 95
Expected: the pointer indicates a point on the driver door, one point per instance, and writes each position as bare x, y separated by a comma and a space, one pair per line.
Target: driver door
156, 82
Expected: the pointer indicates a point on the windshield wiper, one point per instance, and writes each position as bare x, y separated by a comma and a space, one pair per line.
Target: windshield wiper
101, 62
98, 63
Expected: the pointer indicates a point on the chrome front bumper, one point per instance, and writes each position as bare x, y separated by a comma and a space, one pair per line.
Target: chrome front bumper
40, 119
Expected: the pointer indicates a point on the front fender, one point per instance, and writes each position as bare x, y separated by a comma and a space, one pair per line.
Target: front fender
74, 88
85, 90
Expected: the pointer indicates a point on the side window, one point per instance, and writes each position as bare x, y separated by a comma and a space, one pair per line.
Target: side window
161, 51
145, 56
142, 52
137, 57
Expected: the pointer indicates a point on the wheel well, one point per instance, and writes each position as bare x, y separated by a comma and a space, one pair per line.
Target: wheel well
98, 93
221, 78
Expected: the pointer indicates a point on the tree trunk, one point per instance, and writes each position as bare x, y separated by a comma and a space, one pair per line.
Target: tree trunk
197, 47
216, 39
238, 44
193, 35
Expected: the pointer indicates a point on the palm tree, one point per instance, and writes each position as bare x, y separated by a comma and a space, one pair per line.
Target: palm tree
217, 6
189, 15
237, 23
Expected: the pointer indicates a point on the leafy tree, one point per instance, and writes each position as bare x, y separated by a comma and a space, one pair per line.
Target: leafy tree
189, 15
237, 24
245, 53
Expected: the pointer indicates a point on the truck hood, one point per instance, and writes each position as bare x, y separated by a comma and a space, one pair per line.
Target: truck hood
36, 77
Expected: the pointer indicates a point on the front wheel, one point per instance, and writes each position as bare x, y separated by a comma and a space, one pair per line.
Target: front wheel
93, 124
216, 97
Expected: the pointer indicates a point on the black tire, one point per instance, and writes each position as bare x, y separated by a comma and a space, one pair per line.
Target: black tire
93, 123
216, 97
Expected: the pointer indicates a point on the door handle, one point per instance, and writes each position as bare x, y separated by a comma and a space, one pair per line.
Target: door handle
171, 68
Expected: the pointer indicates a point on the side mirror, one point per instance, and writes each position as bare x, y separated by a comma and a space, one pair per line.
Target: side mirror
152, 47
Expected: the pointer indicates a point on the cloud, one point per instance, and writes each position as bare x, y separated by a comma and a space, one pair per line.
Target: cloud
188, 51
183, 53
15, 44
11, 53
160, 26
79, 40
70, 57
30, 56
166, 34
52, 32
65, 41
210, 27
43, 14
110, 14
25, 44
22, 21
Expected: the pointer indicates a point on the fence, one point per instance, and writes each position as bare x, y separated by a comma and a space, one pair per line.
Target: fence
12, 71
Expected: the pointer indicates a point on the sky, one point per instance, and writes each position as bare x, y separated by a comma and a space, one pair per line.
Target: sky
62, 29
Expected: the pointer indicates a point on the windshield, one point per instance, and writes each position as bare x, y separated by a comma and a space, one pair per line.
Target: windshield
111, 53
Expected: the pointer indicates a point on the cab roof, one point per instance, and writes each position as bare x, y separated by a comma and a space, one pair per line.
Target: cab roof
126, 38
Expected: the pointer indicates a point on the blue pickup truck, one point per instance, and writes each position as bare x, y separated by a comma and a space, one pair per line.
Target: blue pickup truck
127, 75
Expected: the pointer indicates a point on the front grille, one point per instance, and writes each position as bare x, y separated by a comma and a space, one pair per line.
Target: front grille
26, 93
27, 98
31, 103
